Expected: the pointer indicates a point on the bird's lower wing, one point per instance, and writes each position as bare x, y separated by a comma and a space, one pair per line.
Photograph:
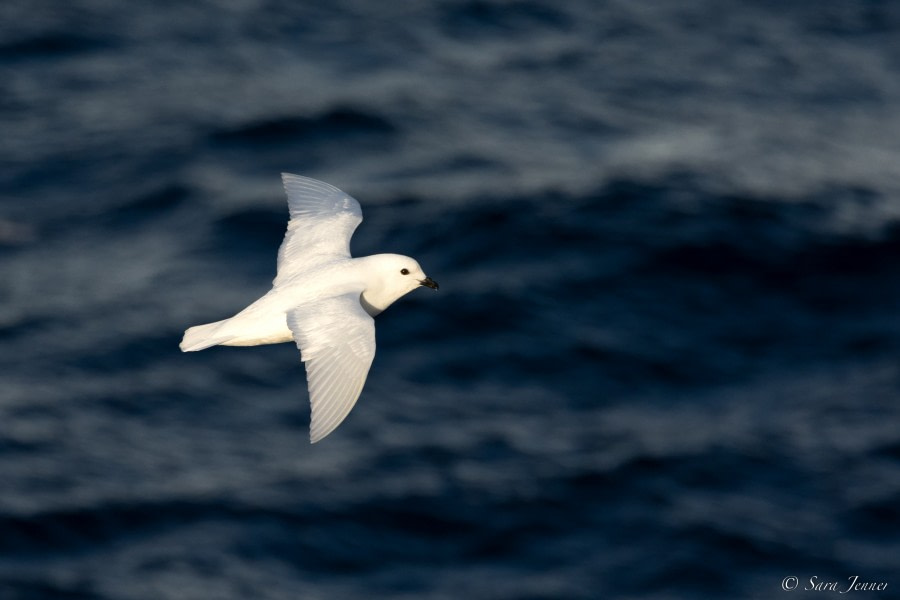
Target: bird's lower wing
336, 337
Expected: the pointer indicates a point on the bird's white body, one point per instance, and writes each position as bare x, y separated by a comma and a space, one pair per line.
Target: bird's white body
322, 299
265, 321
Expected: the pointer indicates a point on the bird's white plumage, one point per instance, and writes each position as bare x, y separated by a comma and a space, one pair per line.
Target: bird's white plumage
322, 299
336, 338
323, 219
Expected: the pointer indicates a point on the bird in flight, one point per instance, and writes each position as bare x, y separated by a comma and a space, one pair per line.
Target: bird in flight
322, 299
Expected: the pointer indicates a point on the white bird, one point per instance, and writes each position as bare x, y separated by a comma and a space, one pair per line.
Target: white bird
322, 299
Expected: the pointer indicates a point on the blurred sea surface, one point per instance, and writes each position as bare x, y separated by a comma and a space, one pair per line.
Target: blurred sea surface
663, 362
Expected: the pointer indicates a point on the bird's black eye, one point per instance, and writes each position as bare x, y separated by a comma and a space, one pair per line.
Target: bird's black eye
404, 271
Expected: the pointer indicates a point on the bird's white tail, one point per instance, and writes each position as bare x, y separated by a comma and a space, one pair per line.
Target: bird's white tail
201, 336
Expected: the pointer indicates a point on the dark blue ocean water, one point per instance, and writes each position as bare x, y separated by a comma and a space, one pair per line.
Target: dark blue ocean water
664, 361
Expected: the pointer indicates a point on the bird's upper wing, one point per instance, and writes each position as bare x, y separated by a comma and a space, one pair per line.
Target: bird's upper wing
323, 218
336, 337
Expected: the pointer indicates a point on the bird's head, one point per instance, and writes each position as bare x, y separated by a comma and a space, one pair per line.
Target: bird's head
393, 276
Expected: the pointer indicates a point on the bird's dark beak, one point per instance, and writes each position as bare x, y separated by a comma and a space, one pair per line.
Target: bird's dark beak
429, 282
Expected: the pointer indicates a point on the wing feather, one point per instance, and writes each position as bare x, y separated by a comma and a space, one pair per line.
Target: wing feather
336, 337
323, 219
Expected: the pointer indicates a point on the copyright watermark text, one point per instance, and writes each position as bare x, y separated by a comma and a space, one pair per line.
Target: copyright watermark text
816, 584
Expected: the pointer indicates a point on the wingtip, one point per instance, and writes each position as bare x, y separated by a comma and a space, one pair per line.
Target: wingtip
319, 432
316, 435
